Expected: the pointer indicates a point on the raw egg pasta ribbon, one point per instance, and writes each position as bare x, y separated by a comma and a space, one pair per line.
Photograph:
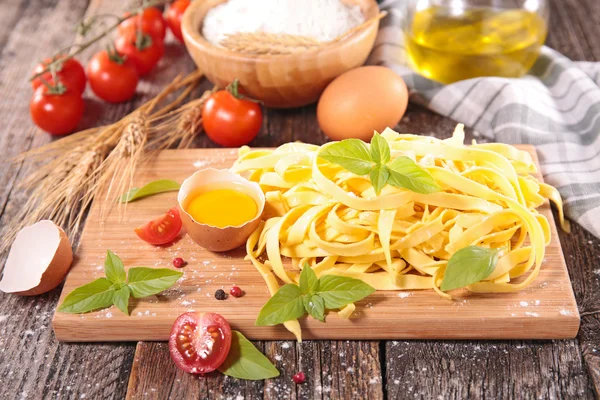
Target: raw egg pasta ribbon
321, 215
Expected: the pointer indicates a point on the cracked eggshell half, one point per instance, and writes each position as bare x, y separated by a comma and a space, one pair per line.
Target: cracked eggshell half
38, 261
210, 237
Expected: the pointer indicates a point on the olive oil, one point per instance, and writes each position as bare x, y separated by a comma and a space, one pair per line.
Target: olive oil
450, 45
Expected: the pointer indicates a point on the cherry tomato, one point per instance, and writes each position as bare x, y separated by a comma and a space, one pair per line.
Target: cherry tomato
230, 120
146, 56
152, 23
162, 230
199, 342
173, 17
57, 114
70, 73
111, 77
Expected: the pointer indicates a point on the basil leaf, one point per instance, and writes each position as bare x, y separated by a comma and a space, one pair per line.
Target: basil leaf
94, 295
113, 268
155, 187
469, 265
245, 361
379, 178
380, 149
285, 305
309, 283
338, 291
405, 173
350, 154
315, 305
121, 299
149, 281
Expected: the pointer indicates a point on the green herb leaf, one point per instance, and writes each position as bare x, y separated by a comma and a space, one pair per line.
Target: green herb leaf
469, 265
315, 305
380, 149
405, 173
350, 154
285, 305
94, 295
152, 188
121, 299
149, 281
338, 291
245, 361
113, 268
309, 283
379, 178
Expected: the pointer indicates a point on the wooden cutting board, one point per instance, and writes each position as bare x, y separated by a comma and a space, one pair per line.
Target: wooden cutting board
545, 310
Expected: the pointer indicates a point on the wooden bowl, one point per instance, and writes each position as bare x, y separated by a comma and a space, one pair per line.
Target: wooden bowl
280, 81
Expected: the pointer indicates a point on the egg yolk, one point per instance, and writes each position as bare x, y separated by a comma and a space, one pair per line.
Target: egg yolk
222, 207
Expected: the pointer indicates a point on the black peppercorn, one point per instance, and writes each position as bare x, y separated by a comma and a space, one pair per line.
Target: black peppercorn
220, 294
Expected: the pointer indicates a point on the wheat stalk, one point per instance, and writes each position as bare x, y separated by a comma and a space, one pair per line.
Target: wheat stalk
262, 43
70, 173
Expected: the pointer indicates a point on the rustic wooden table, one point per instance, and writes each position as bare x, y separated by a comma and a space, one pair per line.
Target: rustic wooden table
34, 365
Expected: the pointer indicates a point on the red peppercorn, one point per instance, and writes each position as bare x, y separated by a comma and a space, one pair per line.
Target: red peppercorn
235, 291
299, 378
178, 262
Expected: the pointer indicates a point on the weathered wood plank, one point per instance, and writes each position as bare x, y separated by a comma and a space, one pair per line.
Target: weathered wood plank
498, 370
334, 370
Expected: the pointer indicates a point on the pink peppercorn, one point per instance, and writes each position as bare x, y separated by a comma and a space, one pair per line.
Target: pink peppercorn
178, 262
235, 291
299, 378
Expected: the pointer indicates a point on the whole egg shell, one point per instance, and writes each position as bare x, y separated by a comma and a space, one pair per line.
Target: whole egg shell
361, 101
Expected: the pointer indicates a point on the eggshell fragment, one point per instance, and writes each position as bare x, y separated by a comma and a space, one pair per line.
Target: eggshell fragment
210, 237
38, 261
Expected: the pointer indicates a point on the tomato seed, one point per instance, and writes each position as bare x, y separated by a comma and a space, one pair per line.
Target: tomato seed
220, 294
235, 291
178, 262
299, 378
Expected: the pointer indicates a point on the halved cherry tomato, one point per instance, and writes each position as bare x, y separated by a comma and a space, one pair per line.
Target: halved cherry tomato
162, 230
152, 23
112, 78
199, 342
56, 113
69, 72
173, 17
144, 53
229, 119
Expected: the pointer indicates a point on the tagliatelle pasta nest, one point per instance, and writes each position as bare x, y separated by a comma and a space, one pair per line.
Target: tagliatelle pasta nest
321, 214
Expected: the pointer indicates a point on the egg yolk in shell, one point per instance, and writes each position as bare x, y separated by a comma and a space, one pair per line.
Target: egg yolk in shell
222, 207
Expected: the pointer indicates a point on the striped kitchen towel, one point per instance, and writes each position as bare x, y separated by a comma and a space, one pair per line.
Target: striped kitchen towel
556, 107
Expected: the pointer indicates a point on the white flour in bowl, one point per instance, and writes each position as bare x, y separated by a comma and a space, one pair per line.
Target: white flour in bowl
322, 20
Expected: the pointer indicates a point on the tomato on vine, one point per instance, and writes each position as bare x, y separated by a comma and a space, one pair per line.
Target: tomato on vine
173, 16
151, 20
112, 78
231, 119
143, 50
56, 109
69, 72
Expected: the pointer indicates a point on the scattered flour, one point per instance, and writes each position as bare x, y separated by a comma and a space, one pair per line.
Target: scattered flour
523, 304
532, 314
404, 295
565, 312
3, 318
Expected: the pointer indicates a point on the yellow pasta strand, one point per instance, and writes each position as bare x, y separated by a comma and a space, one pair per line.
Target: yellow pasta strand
320, 214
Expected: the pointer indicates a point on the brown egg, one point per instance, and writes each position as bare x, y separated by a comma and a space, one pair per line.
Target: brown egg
211, 237
38, 261
361, 101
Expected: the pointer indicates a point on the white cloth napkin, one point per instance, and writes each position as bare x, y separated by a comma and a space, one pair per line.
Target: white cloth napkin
556, 107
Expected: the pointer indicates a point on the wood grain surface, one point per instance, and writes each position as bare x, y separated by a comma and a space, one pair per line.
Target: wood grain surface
34, 365
545, 310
